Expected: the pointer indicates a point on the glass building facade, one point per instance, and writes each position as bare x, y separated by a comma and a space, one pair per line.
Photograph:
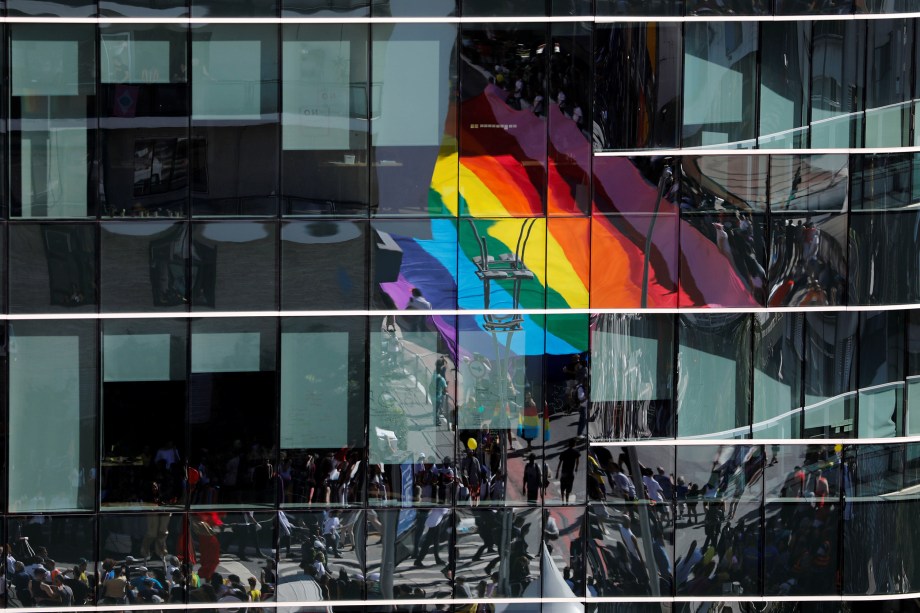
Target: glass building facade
472, 305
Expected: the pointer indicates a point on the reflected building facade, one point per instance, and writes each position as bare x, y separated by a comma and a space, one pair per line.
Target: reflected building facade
420, 305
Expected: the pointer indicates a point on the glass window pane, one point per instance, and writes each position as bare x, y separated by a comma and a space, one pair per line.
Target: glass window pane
806, 7
323, 399
152, 536
731, 7
317, 543
881, 374
324, 265
830, 377
412, 391
504, 263
144, 266
809, 183
837, 83
570, 132
500, 548
52, 73
52, 409
639, 267
504, 370
68, 538
413, 119
52, 8
885, 181
884, 268
632, 364
803, 489
889, 66
325, 110
731, 492
413, 266
784, 81
568, 262
144, 121
398, 562
510, 8
143, 372
234, 8
232, 411
414, 8
143, 8
217, 280
722, 55
640, 7
808, 260
326, 8
503, 117
723, 232
714, 375
235, 119
52, 268
778, 375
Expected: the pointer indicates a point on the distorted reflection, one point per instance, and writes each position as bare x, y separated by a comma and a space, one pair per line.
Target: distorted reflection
808, 260
803, 488
722, 201
501, 548
631, 377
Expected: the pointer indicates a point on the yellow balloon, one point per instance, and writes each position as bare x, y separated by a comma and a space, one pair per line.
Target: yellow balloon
472, 444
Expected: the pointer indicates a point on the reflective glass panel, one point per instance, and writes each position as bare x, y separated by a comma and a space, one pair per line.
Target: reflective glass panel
143, 8
235, 167
723, 232
51, 551
399, 545
323, 410
501, 385
52, 408
143, 373
503, 109
501, 548
502, 263
144, 266
324, 265
729, 7
232, 411
632, 358
830, 377
714, 373
324, 123
234, 8
640, 7
638, 68
509, 8
52, 105
413, 168
144, 121
326, 8
808, 7
777, 375
564, 561
784, 82
52, 268
720, 554
55, 8
885, 181
809, 183
145, 546
568, 262
570, 132
217, 280
808, 260
881, 374
722, 55
629, 550
321, 556
837, 83
414, 266
889, 67
567, 409
414, 8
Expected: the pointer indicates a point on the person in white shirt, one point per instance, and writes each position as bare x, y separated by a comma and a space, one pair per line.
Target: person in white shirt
432, 536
